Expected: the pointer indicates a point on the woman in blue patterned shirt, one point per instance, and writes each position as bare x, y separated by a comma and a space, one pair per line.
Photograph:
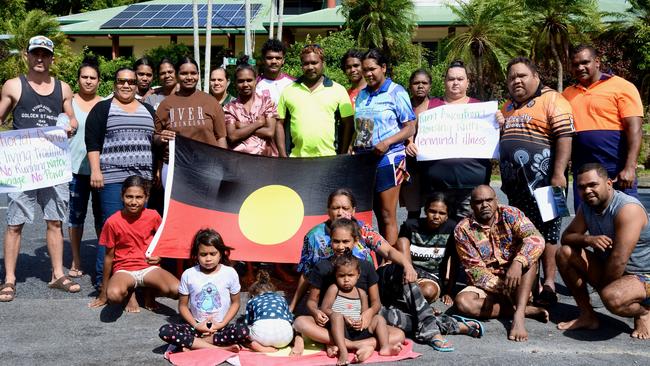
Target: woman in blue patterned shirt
383, 120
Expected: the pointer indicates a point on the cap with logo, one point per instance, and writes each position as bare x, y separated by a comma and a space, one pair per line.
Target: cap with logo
40, 42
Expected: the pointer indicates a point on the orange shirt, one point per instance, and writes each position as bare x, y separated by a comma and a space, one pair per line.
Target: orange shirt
604, 104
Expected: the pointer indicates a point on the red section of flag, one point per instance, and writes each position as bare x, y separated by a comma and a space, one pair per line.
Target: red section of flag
183, 221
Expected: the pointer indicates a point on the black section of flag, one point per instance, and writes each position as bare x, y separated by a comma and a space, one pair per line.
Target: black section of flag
219, 179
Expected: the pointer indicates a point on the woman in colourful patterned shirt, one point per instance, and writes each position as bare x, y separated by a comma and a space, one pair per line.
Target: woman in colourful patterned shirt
317, 243
383, 120
250, 119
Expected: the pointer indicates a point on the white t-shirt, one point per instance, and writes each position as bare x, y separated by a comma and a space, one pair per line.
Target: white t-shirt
273, 88
209, 295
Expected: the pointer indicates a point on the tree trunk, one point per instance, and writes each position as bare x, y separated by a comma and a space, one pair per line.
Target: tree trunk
558, 63
280, 18
271, 19
195, 16
208, 48
247, 29
479, 75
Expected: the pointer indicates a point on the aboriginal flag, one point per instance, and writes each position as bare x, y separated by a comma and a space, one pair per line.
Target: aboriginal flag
262, 206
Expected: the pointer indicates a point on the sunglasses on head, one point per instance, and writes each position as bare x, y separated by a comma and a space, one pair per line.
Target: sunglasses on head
121, 81
42, 42
314, 45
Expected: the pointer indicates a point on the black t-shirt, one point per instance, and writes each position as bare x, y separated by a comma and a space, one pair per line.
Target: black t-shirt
429, 247
322, 276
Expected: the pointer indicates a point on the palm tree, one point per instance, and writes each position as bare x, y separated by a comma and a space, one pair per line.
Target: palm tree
555, 24
495, 34
385, 24
34, 22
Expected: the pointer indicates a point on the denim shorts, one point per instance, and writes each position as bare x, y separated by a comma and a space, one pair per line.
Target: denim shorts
52, 200
80, 192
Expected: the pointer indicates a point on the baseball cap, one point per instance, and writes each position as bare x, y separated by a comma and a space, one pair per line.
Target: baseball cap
40, 42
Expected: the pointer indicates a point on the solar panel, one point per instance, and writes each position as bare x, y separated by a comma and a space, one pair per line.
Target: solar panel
139, 16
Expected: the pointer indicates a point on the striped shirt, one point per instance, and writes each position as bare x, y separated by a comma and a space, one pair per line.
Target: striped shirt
528, 139
348, 307
127, 145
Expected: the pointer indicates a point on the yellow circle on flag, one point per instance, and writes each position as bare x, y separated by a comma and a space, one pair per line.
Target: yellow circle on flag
271, 215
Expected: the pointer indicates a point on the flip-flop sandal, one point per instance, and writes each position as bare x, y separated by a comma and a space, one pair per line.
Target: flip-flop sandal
474, 331
79, 274
8, 289
442, 347
60, 285
546, 298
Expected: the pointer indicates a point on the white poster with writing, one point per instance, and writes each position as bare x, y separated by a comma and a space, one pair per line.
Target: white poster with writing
34, 158
458, 131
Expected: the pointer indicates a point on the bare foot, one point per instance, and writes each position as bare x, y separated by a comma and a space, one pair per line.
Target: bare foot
537, 313
363, 354
641, 327
132, 306
518, 332
232, 348
331, 350
151, 304
298, 346
587, 321
391, 350
343, 358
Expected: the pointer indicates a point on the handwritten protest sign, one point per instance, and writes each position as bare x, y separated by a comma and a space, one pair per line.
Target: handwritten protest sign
458, 131
33, 158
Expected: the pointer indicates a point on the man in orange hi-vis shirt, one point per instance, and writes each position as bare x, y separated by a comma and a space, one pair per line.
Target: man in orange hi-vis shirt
535, 148
608, 116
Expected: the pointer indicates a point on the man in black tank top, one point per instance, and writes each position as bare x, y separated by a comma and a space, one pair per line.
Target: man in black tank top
36, 100
608, 246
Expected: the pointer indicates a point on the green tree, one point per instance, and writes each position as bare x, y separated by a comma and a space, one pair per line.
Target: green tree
66, 7
555, 25
384, 24
35, 22
495, 34
12, 9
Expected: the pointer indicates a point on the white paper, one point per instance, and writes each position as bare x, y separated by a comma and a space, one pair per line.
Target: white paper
34, 158
458, 131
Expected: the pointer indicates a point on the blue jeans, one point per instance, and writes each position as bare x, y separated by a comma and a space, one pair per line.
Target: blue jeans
80, 193
111, 201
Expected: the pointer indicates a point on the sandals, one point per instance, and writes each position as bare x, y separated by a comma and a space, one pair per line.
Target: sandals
441, 345
474, 331
60, 284
8, 289
79, 273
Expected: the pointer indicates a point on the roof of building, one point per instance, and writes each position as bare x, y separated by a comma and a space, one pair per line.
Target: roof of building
89, 23
433, 13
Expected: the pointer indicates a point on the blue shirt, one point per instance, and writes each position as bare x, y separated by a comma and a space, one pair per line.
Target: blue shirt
381, 114
268, 305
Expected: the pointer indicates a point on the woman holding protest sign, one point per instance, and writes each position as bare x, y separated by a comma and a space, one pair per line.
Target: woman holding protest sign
455, 177
80, 190
119, 133
384, 120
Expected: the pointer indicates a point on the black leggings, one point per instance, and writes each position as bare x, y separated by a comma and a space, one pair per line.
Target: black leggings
182, 335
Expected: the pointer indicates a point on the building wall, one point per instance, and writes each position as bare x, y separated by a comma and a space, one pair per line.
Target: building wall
141, 44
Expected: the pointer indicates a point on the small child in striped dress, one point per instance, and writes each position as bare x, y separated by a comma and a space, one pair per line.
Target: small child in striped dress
344, 303
267, 316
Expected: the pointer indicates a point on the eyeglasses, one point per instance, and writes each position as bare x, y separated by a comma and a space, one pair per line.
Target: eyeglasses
121, 81
312, 45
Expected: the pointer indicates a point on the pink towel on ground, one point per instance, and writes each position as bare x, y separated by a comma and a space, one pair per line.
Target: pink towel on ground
210, 357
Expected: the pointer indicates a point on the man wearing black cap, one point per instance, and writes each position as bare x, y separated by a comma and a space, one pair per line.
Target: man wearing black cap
36, 100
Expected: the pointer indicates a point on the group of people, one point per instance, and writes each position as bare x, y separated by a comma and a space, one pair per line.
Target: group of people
358, 289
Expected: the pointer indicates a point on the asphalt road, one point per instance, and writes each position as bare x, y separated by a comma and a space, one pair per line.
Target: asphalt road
49, 327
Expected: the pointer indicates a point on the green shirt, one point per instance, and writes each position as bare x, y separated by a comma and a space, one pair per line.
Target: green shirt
313, 124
